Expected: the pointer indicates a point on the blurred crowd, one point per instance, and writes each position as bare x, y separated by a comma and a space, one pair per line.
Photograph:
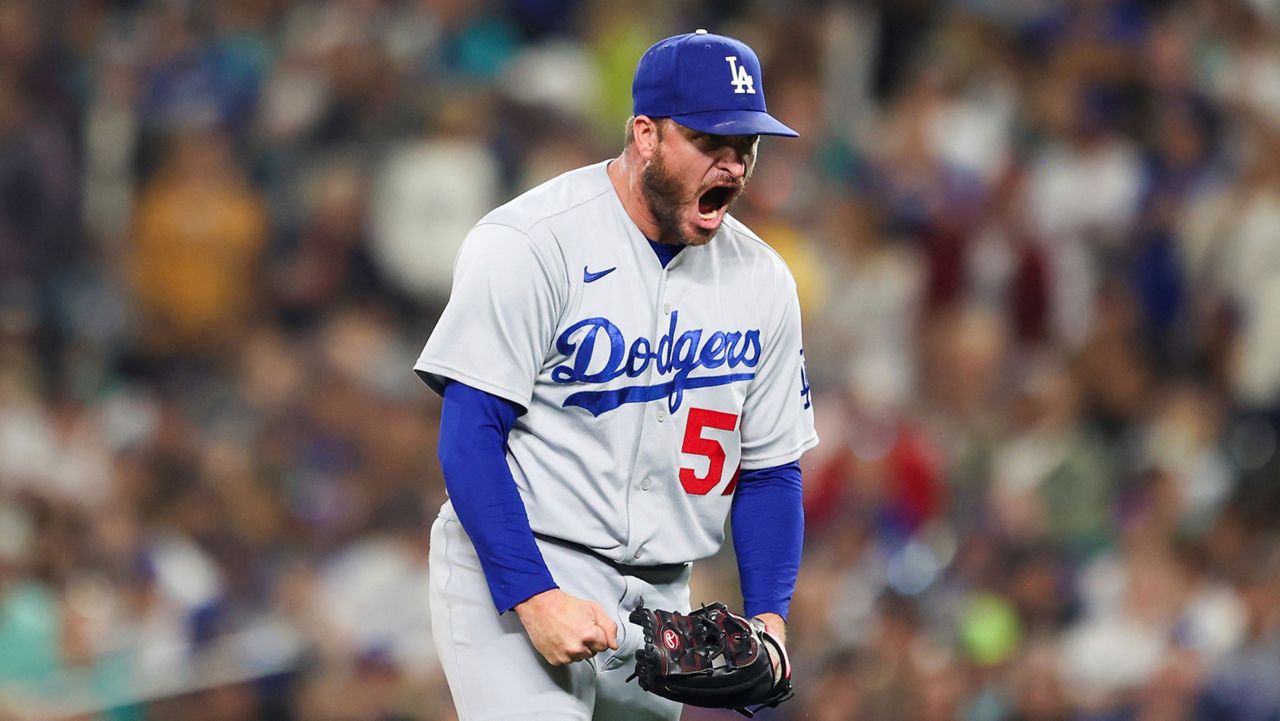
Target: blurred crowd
1037, 244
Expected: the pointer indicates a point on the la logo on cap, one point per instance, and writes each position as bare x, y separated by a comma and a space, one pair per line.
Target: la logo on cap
742, 81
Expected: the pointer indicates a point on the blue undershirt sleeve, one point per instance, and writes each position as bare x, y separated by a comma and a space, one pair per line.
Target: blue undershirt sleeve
474, 426
767, 520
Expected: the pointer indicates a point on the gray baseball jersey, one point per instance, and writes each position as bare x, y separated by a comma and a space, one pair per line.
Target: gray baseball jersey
646, 388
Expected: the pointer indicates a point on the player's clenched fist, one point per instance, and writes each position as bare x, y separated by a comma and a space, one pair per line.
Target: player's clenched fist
565, 628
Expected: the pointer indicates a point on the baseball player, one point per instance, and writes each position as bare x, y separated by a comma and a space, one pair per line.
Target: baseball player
622, 370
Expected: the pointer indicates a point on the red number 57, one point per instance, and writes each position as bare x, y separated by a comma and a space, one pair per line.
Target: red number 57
710, 448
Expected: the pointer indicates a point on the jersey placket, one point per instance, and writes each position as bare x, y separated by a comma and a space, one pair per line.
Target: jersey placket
650, 482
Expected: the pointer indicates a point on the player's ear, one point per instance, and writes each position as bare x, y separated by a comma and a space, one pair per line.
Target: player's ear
646, 134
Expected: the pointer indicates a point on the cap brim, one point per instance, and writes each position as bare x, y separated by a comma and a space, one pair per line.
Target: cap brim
735, 122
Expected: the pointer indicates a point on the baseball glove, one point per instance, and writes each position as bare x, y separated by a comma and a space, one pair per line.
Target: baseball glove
711, 658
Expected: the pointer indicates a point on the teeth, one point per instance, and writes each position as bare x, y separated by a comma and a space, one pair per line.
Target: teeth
707, 216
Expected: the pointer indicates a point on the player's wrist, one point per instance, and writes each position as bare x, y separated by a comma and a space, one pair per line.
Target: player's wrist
775, 624
537, 602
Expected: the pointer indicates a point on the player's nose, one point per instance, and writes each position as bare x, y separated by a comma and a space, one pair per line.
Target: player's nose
733, 162
732, 156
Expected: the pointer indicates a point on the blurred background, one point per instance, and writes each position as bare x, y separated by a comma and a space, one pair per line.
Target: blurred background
1038, 251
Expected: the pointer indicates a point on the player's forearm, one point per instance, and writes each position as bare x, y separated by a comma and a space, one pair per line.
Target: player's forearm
768, 537
473, 431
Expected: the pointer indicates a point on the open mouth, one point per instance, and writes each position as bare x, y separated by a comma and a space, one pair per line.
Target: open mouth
715, 200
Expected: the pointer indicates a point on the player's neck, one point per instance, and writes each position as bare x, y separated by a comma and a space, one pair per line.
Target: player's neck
625, 174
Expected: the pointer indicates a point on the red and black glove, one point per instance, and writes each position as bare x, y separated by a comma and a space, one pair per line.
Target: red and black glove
711, 658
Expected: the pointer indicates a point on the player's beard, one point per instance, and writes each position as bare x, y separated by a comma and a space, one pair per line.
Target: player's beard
666, 197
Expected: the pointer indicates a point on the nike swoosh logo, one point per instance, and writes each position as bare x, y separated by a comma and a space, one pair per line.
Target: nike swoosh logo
589, 277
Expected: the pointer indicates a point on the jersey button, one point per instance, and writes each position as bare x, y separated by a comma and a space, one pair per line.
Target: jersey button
645, 484
662, 414
638, 555
666, 308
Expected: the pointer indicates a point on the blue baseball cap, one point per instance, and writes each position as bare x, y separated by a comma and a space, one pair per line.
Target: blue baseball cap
710, 83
